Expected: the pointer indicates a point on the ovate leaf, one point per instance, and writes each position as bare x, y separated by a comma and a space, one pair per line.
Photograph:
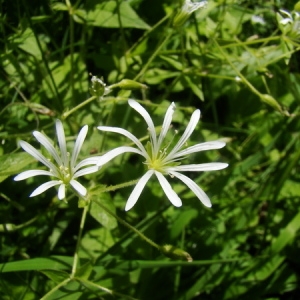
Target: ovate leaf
105, 14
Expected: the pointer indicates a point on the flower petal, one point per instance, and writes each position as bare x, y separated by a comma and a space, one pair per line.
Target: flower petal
142, 111
194, 188
86, 171
62, 142
87, 161
61, 191
31, 173
166, 124
37, 155
198, 167
200, 147
187, 133
48, 144
78, 187
190, 7
78, 144
135, 194
172, 196
128, 135
45, 186
115, 152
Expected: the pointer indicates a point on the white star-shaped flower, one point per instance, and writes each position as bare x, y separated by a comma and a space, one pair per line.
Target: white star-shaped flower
62, 168
161, 162
186, 10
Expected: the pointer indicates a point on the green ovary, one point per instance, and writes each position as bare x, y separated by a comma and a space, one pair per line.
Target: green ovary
156, 164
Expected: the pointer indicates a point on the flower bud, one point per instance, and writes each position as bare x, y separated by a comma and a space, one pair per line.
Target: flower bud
186, 10
128, 84
98, 87
270, 101
7, 227
175, 253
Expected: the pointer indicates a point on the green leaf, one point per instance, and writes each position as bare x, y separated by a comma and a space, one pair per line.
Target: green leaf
196, 86
11, 164
182, 221
173, 61
35, 264
105, 14
55, 275
100, 215
27, 42
85, 270
59, 6
96, 242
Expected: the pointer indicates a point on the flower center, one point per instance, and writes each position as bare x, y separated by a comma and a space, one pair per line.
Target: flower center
65, 174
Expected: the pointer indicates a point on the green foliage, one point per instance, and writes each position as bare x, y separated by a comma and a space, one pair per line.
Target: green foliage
235, 60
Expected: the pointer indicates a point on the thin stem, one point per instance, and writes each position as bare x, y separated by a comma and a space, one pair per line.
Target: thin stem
245, 81
76, 257
178, 268
71, 23
146, 34
155, 53
68, 113
108, 291
55, 288
140, 234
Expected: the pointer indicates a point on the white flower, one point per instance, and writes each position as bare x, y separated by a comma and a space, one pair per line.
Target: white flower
289, 23
190, 7
63, 168
159, 161
186, 10
258, 20
98, 87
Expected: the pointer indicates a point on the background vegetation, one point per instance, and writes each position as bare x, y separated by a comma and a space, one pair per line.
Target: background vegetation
236, 62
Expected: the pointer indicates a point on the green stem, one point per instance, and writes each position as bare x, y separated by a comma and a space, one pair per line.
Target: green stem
154, 54
147, 33
243, 78
55, 288
71, 22
68, 113
76, 257
108, 291
140, 234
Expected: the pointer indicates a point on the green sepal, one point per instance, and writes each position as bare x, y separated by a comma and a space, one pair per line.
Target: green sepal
175, 253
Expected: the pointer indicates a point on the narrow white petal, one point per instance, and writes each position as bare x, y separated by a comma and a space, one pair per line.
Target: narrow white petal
135, 194
62, 142
78, 144
78, 187
166, 124
198, 167
200, 147
61, 191
115, 152
48, 144
286, 21
190, 7
127, 134
194, 187
86, 171
31, 173
286, 13
45, 186
187, 133
87, 161
172, 196
142, 111
37, 155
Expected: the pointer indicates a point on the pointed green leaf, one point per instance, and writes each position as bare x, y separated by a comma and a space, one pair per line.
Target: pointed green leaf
105, 14
11, 164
